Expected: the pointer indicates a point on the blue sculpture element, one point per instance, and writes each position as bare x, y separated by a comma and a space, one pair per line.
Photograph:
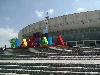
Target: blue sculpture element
50, 41
17, 43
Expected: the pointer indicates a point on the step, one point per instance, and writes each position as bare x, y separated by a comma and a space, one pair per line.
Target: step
93, 69
75, 69
23, 67
49, 68
50, 65
53, 61
12, 74
23, 56
44, 54
20, 71
68, 72
58, 52
55, 58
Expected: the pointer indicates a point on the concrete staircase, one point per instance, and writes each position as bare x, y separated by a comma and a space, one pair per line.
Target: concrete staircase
50, 62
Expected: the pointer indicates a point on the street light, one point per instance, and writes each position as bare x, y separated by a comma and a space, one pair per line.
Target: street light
45, 30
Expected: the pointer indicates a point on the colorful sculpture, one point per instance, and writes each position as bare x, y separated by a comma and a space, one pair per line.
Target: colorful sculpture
31, 42
24, 43
44, 41
36, 41
13, 42
59, 41
17, 43
50, 41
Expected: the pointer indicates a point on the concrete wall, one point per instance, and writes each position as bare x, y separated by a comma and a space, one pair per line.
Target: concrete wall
66, 22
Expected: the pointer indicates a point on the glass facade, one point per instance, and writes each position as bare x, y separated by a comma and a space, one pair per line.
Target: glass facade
79, 34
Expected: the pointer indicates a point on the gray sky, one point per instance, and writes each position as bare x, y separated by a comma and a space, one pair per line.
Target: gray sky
16, 14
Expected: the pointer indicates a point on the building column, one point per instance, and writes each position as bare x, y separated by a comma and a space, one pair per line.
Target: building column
76, 43
95, 42
83, 43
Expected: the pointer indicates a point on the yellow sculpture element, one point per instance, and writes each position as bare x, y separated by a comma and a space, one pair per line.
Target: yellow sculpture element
24, 43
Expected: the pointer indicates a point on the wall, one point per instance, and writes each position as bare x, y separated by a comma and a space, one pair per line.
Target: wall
66, 22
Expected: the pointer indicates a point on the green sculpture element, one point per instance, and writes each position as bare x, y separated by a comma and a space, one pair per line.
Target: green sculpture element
44, 41
13, 42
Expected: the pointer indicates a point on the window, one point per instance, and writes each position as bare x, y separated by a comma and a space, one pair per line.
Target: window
90, 20
82, 21
86, 30
91, 29
67, 23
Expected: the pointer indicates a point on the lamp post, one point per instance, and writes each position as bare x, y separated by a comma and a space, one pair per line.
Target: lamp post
45, 30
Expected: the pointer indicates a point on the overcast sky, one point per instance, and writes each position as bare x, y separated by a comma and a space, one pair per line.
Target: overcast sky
16, 14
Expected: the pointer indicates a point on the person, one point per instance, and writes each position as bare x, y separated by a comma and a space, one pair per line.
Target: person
3, 48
